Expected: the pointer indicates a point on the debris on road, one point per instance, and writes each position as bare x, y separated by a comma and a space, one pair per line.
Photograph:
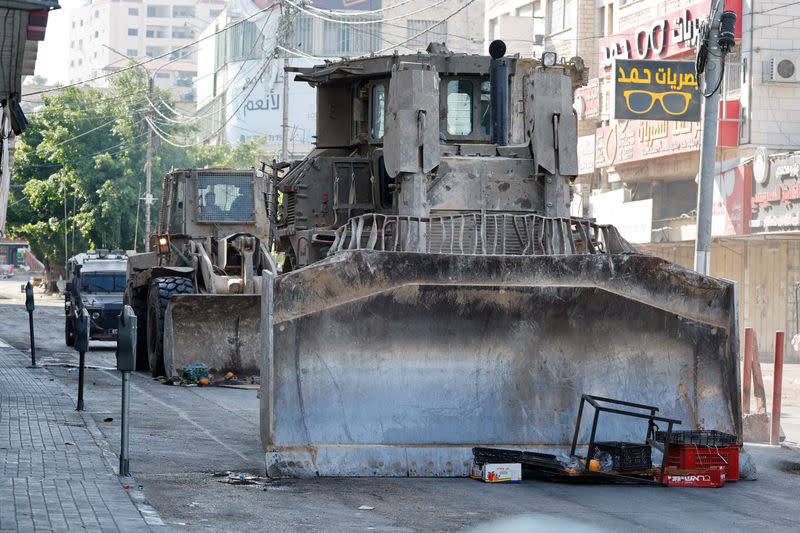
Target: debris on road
366, 508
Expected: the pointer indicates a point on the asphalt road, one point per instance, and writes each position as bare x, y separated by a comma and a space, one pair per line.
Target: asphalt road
185, 440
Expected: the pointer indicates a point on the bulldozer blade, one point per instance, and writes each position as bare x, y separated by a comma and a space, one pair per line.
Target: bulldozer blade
218, 330
381, 363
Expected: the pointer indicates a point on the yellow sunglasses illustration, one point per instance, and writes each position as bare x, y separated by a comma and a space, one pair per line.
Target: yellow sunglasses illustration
672, 102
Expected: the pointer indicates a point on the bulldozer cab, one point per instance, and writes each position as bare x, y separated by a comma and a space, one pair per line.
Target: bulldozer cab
213, 203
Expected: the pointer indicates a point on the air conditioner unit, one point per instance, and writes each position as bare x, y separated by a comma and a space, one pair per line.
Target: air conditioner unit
784, 69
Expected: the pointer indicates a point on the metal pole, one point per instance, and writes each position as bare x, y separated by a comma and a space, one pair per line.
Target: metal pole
747, 371
148, 167
124, 461
80, 380
777, 390
708, 148
33, 344
285, 124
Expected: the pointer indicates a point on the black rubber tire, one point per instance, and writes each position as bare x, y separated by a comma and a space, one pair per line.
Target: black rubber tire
137, 299
161, 290
69, 332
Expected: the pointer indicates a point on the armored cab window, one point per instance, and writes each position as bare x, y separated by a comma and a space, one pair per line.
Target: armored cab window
459, 107
484, 109
176, 220
225, 198
102, 281
377, 111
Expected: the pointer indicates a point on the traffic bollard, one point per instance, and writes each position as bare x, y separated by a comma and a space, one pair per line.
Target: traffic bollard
29, 306
126, 363
81, 346
777, 390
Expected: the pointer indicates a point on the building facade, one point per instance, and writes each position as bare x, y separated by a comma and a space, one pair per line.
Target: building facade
240, 74
103, 34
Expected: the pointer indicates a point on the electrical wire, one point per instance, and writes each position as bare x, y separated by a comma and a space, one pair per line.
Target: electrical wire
357, 22
437, 24
150, 60
360, 13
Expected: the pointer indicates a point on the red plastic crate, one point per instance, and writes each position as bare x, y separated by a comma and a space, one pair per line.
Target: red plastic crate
713, 476
691, 457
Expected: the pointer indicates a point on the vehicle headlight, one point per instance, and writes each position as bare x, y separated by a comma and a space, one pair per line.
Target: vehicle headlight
95, 315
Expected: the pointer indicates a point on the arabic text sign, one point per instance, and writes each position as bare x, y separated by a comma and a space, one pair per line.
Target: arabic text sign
656, 90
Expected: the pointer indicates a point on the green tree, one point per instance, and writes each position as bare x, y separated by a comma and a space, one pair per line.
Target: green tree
79, 168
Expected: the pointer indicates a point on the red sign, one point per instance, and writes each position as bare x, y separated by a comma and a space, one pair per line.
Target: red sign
636, 140
731, 212
673, 35
587, 100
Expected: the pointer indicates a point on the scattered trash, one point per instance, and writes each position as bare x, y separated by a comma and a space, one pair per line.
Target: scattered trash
239, 478
203, 381
569, 462
498, 472
713, 476
70, 443
366, 508
108, 419
195, 372
604, 462
127, 487
747, 466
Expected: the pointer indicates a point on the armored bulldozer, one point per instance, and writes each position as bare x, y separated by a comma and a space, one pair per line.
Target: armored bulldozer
437, 295
197, 294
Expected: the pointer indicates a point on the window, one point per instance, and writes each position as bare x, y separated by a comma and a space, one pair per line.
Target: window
423, 32
459, 107
213, 13
80, 62
559, 15
81, 23
96, 14
73, 23
72, 63
133, 32
486, 109
303, 33
153, 51
158, 11
93, 282
96, 34
157, 32
72, 44
183, 12
132, 52
225, 198
162, 75
349, 40
182, 33
378, 111
133, 11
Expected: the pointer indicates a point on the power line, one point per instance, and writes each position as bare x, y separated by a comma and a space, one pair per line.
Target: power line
357, 22
360, 13
150, 60
448, 17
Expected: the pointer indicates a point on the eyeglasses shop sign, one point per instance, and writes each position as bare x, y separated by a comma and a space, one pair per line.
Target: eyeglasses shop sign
656, 90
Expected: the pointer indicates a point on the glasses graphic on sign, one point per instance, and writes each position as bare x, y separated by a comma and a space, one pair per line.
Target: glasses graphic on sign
672, 102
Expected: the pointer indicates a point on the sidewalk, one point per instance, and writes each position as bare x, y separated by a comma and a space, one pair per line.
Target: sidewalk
55, 473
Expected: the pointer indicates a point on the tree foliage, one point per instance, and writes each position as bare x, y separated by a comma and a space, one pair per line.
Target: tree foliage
79, 168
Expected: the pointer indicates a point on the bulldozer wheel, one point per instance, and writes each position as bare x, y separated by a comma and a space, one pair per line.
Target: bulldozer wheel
161, 290
138, 301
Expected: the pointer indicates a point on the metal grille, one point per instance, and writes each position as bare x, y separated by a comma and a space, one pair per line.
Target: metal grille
225, 198
291, 205
476, 234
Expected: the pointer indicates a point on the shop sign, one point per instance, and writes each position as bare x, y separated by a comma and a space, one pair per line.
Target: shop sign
730, 214
673, 35
637, 140
586, 153
656, 90
587, 100
775, 204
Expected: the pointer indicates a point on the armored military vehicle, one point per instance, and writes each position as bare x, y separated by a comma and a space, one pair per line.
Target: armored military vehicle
96, 282
196, 294
437, 294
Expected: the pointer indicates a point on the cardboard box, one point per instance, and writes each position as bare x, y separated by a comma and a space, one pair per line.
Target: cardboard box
498, 472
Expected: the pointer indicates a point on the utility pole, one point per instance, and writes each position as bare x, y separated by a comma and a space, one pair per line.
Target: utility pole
285, 125
148, 166
717, 44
